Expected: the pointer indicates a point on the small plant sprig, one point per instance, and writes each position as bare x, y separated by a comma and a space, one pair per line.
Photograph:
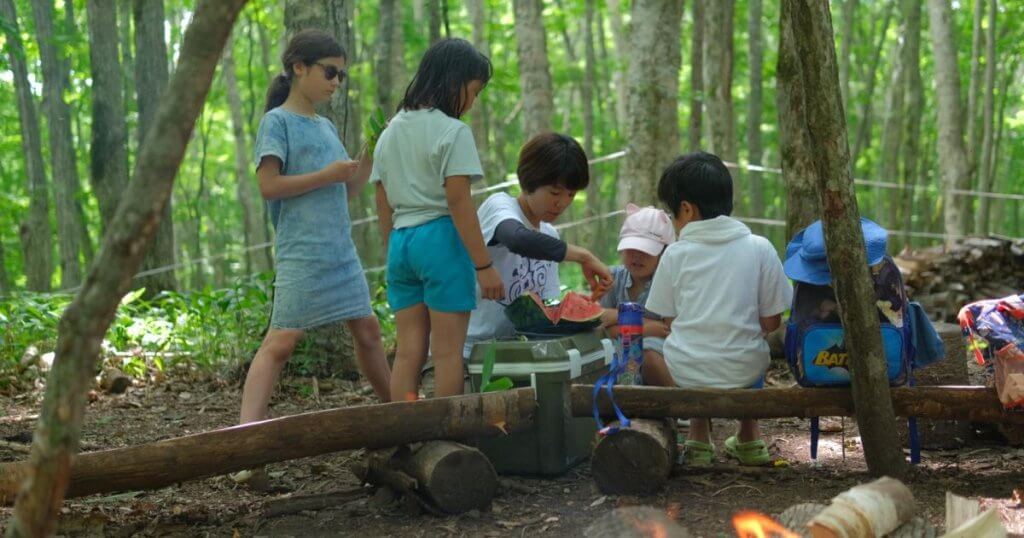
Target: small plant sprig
374, 127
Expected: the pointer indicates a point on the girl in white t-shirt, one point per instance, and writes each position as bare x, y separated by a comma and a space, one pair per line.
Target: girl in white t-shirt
520, 239
423, 165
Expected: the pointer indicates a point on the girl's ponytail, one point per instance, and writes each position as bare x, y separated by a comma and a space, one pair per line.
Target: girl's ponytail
278, 91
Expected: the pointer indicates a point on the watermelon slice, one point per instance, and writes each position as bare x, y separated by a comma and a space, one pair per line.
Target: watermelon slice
574, 313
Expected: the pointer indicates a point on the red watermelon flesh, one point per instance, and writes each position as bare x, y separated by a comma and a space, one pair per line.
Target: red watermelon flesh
573, 307
577, 308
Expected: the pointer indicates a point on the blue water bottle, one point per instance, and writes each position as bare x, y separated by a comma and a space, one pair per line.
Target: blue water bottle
631, 335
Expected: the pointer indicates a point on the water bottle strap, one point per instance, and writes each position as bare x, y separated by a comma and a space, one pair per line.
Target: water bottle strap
608, 381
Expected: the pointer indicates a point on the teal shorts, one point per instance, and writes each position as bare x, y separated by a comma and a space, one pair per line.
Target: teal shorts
429, 264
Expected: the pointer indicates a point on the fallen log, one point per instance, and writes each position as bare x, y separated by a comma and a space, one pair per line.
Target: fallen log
873, 509
976, 404
160, 464
449, 477
635, 460
114, 381
796, 518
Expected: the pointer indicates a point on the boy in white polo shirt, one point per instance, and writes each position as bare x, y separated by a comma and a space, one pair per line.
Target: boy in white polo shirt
724, 289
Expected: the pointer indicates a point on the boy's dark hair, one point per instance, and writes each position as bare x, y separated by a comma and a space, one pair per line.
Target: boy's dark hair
307, 46
553, 159
701, 179
446, 67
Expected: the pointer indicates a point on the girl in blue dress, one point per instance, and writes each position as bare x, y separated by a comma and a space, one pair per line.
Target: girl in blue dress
307, 178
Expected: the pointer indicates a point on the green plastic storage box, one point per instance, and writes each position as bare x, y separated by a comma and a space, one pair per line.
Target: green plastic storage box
557, 440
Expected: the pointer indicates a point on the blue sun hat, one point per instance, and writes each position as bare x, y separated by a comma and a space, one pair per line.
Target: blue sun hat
805, 254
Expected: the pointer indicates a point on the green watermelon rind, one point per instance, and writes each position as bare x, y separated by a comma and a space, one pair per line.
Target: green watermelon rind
528, 317
525, 313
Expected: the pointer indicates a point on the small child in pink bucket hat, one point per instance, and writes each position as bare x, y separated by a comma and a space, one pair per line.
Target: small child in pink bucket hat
643, 237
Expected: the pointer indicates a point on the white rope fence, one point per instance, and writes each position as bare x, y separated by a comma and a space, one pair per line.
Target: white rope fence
511, 180
891, 185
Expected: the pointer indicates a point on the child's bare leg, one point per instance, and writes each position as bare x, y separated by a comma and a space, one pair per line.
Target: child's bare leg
655, 371
370, 354
700, 430
413, 327
449, 337
749, 431
266, 366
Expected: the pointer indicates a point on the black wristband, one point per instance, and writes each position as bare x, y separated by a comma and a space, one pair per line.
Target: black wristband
488, 265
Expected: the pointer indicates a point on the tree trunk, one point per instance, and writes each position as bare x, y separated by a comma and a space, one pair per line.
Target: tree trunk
434, 23
812, 27
108, 153
70, 228
867, 100
390, 63
35, 230
696, 73
754, 147
652, 128
983, 165
5, 279
718, 18
254, 232
604, 100
87, 319
589, 83
636, 460
623, 56
794, 141
594, 202
971, 131
534, 71
892, 140
480, 116
976, 404
570, 50
911, 60
150, 82
952, 155
199, 202
1000, 122
124, 32
849, 10
163, 463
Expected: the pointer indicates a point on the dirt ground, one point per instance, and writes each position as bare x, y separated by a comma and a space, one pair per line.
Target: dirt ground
703, 502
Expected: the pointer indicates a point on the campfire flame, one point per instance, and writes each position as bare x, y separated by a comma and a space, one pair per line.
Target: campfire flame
758, 525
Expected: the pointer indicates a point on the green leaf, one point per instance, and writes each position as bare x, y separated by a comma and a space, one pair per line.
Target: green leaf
500, 384
377, 122
485, 376
132, 296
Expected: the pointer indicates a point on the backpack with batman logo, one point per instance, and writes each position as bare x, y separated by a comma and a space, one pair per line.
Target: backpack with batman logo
815, 341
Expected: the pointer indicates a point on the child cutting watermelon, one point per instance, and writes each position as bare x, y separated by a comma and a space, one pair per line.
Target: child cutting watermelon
521, 241
644, 235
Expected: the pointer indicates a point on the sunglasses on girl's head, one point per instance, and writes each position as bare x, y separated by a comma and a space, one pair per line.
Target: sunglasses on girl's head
331, 71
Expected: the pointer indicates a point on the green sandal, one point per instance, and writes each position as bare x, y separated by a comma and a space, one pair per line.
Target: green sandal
698, 453
749, 453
